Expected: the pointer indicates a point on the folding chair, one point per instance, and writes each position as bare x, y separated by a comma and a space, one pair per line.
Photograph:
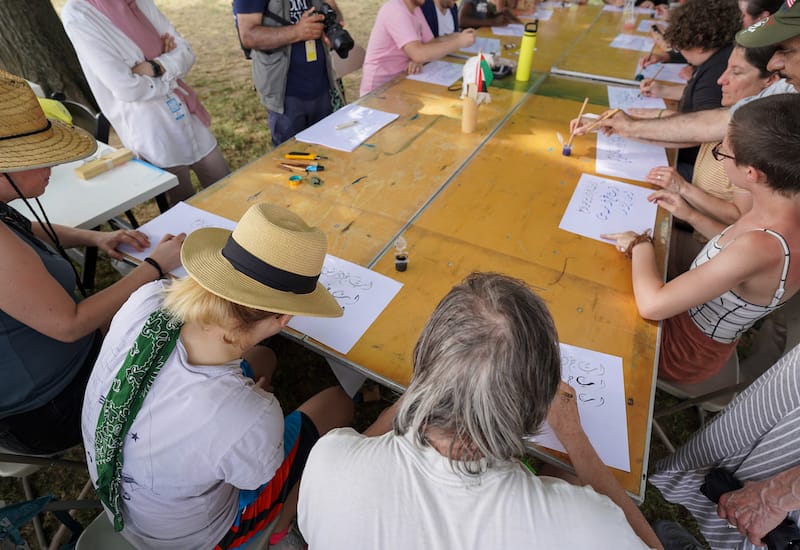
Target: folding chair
351, 64
22, 466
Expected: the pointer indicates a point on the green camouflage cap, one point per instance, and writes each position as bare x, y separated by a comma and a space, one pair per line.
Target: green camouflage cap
781, 25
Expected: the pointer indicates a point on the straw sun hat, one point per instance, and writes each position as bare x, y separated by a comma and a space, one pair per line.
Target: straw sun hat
271, 262
27, 138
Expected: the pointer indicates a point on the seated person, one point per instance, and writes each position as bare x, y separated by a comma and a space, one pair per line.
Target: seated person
710, 196
703, 32
401, 41
754, 439
49, 339
185, 449
486, 373
482, 13
744, 271
441, 15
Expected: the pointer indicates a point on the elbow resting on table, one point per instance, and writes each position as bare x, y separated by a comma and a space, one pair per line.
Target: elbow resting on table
653, 311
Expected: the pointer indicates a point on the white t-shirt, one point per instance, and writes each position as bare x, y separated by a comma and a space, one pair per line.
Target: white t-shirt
446, 23
387, 493
203, 433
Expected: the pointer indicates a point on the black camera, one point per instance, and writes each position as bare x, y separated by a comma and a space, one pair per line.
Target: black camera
340, 39
719, 481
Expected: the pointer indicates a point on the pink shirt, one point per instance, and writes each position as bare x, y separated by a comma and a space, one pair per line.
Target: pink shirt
394, 27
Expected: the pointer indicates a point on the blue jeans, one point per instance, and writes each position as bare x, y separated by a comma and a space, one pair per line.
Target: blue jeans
298, 114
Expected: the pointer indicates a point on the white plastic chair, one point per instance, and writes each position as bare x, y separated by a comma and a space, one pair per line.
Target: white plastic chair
353, 62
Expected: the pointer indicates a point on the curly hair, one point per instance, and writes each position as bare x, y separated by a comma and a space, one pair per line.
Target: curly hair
706, 24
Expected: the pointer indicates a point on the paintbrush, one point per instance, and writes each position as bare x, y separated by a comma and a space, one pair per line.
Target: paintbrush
567, 149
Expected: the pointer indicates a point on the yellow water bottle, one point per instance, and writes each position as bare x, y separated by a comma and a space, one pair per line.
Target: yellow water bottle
526, 49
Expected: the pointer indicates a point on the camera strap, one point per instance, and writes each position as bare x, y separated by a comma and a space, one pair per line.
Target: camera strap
275, 17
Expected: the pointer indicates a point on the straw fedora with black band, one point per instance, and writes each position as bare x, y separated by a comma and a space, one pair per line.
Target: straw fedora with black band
28, 139
271, 261
778, 27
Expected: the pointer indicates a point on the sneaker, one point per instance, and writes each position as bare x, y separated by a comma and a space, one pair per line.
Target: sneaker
293, 540
674, 537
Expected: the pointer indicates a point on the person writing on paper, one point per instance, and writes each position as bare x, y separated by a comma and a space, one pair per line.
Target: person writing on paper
134, 61
185, 447
48, 339
744, 272
486, 374
401, 42
441, 15
710, 197
482, 13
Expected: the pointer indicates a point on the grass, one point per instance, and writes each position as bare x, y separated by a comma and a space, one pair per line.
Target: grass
221, 77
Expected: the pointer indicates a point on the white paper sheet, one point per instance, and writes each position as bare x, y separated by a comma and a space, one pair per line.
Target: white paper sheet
347, 128
645, 24
550, 4
625, 97
542, 13
621, 9
362, 293
632, 42
668, 74
600, 205
600, 392
181, 218
485, 45
439, 72
625, 158
512, 29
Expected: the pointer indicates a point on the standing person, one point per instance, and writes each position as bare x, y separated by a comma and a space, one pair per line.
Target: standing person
292, 69
184, 446
134, 61
486, 374
441, 15
401, 42
744, 272
48, 339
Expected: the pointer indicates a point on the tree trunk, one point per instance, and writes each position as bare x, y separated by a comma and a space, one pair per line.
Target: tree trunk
33, 45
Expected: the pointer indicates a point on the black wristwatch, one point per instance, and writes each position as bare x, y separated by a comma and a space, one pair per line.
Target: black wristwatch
157, 70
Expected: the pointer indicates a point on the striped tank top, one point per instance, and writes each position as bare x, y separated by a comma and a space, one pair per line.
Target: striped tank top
726, 318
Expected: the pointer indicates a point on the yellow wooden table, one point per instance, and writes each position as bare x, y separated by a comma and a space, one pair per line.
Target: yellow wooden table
592, 56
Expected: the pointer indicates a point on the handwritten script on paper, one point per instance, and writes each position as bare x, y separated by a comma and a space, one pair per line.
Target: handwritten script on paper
632, 42
181, 218
485, 45
600, 205
625, 97
600, 393
439, 72
363, 295
625, 158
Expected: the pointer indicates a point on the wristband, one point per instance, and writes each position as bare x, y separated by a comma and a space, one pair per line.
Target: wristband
155, 264
639, 239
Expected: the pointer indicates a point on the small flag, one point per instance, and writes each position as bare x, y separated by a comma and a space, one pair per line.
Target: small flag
488, 77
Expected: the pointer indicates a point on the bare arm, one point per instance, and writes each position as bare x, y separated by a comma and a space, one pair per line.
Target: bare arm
439, 47
259, 37
467, 18
694, 128
758, 507
564, 419
32, 296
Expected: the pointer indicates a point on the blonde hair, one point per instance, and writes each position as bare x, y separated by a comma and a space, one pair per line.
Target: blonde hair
186, 300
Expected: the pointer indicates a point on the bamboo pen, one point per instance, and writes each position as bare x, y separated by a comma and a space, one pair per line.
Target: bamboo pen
594, 124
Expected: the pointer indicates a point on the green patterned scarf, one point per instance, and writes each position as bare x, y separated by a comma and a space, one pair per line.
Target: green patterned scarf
144, 361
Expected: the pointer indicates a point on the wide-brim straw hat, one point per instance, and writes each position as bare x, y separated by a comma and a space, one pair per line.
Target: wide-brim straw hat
28, 139
271, 261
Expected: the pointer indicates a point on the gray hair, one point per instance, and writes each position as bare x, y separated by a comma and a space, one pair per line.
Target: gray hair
486, 367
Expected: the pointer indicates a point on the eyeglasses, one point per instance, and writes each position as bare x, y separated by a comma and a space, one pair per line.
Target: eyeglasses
715, 152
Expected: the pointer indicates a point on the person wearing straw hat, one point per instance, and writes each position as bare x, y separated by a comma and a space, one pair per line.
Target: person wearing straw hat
49, 340
185, 448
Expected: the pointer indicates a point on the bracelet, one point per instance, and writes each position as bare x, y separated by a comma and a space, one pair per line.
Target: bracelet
155, 264
157, 70
639, 239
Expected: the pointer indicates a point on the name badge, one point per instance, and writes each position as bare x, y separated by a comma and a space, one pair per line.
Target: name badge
311, 51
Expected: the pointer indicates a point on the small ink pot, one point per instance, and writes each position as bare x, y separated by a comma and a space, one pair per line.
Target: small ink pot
401, 262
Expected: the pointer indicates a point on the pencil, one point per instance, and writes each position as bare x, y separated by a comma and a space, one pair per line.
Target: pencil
594, 124
658, 72
580, 114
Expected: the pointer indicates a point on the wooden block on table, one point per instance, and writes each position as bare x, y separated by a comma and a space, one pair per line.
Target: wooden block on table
103, 164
